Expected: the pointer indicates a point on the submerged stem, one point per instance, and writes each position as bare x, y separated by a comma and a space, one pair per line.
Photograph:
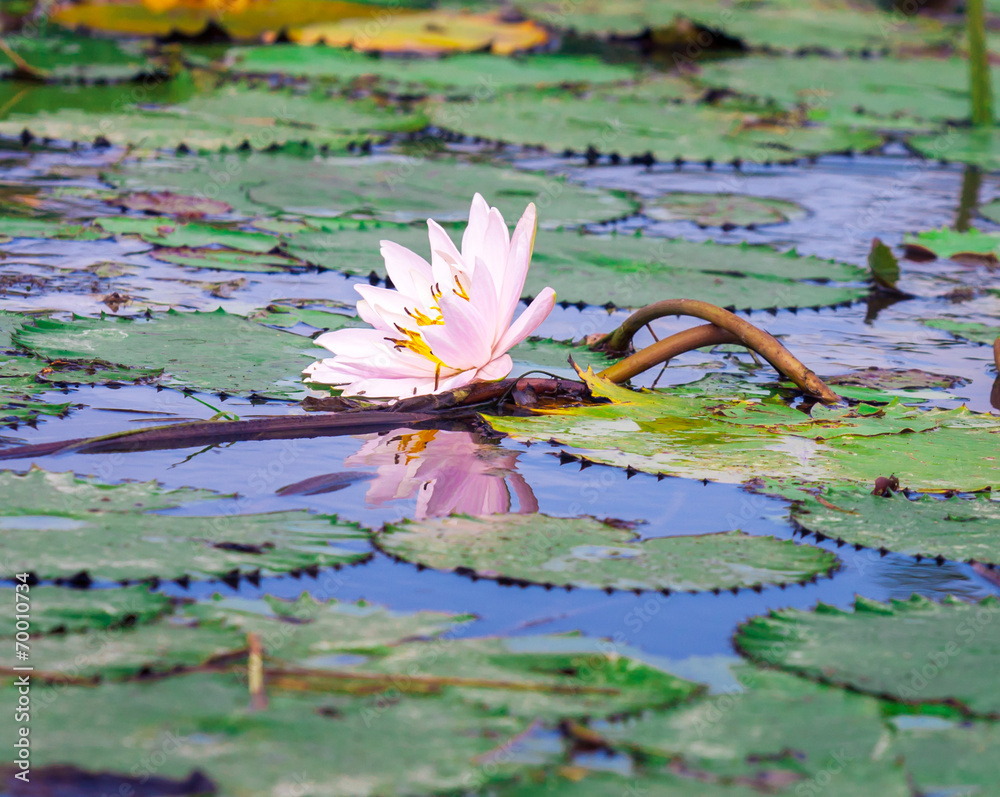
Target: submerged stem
744, 332
979, 66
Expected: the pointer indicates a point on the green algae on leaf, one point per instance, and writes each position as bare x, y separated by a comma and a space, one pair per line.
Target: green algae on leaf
731, 438
960, 528
58, 610
477, 74
722, 210
915, 651
255, 359
776, 722
626, 270
58, 526
326, 745
599, 554
390, 188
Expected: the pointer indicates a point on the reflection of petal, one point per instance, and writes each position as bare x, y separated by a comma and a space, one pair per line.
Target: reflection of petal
526, 501
448, 472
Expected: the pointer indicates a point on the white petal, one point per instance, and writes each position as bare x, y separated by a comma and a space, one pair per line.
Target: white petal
529, 320
409, 272
472, 239
359, 343
496, 369
378, 387
464, 340
496, 243
390, 306
518, 259
483, 295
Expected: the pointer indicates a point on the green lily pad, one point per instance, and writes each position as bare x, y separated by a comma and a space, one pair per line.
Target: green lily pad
599, 554
733, 439
256, 359
915, 651
777, 722
57, 610
838, 88
209, 120
991, 210
172, 233
553, 355
77, 58
958, 528
164, 203
477, 74
634, 125
228, 260
627, 270
311, 313
776, 24
109, 532
977, 333
394, 189
974, 146
952, 760
893, 379
972, 245
324, 745
721, 210
42, 228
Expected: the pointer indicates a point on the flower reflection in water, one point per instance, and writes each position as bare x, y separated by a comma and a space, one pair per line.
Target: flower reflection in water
449, 472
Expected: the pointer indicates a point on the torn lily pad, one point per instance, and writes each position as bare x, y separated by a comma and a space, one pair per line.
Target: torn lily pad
58, 527
735, 438
722, 210
960, 528
389, 188
255, 359
626, 270
915, 651
58, 610
599, 554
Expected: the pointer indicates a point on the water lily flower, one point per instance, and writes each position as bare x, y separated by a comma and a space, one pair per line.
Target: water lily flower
447, 323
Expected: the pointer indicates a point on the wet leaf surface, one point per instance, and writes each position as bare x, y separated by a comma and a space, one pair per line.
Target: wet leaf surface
722, 210
586, 552
57, 610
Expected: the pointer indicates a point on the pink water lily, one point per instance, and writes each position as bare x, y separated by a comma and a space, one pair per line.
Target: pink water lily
449, 322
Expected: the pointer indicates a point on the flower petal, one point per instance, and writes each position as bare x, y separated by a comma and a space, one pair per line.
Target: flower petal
445, 257
472, 238
409, 272
522, 245
496, 243
528, 321
464, 340
496, 369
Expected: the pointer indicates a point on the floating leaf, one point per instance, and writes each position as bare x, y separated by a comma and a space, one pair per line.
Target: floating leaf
479, 74
889, 379
916, 651
976, 146
731, 438
627, 270
722, 210
249, 20
586, 552
228, 259
961, 528
255, 359
311, 313
328, 745
60, 610
971, 246
977, 333
78, 58
395, 189
171, 233
169, 204
632, 122
428, 33
41, 228
59, 526
991, 210
884, 266
954, 759
775, 723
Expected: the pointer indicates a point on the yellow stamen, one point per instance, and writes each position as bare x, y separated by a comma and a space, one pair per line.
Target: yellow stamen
461, 291
425, 320
415, 343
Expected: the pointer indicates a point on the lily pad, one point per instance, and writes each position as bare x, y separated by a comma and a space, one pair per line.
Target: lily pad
326, 745
312, 313
255, 359
977, 333
599, 554
960, 528
626, 270
389, 188
955, 759
65, 58
974, 146
476, 73
971, 246
991, 210
637, 124
168, 204
723, 210
57, 610
228, 260
735, 439
58, 526
915, 651
893, 379
211, 120
42, 228
172, 233
770, 725
435, 32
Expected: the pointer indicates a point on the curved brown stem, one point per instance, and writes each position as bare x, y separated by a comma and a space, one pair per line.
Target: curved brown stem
996, 353
745, 333
666, 349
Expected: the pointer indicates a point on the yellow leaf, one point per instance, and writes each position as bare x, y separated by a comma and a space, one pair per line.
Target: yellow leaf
426, 33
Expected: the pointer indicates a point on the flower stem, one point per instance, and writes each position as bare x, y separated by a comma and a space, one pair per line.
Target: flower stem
744, 332
666, 349
979, 66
